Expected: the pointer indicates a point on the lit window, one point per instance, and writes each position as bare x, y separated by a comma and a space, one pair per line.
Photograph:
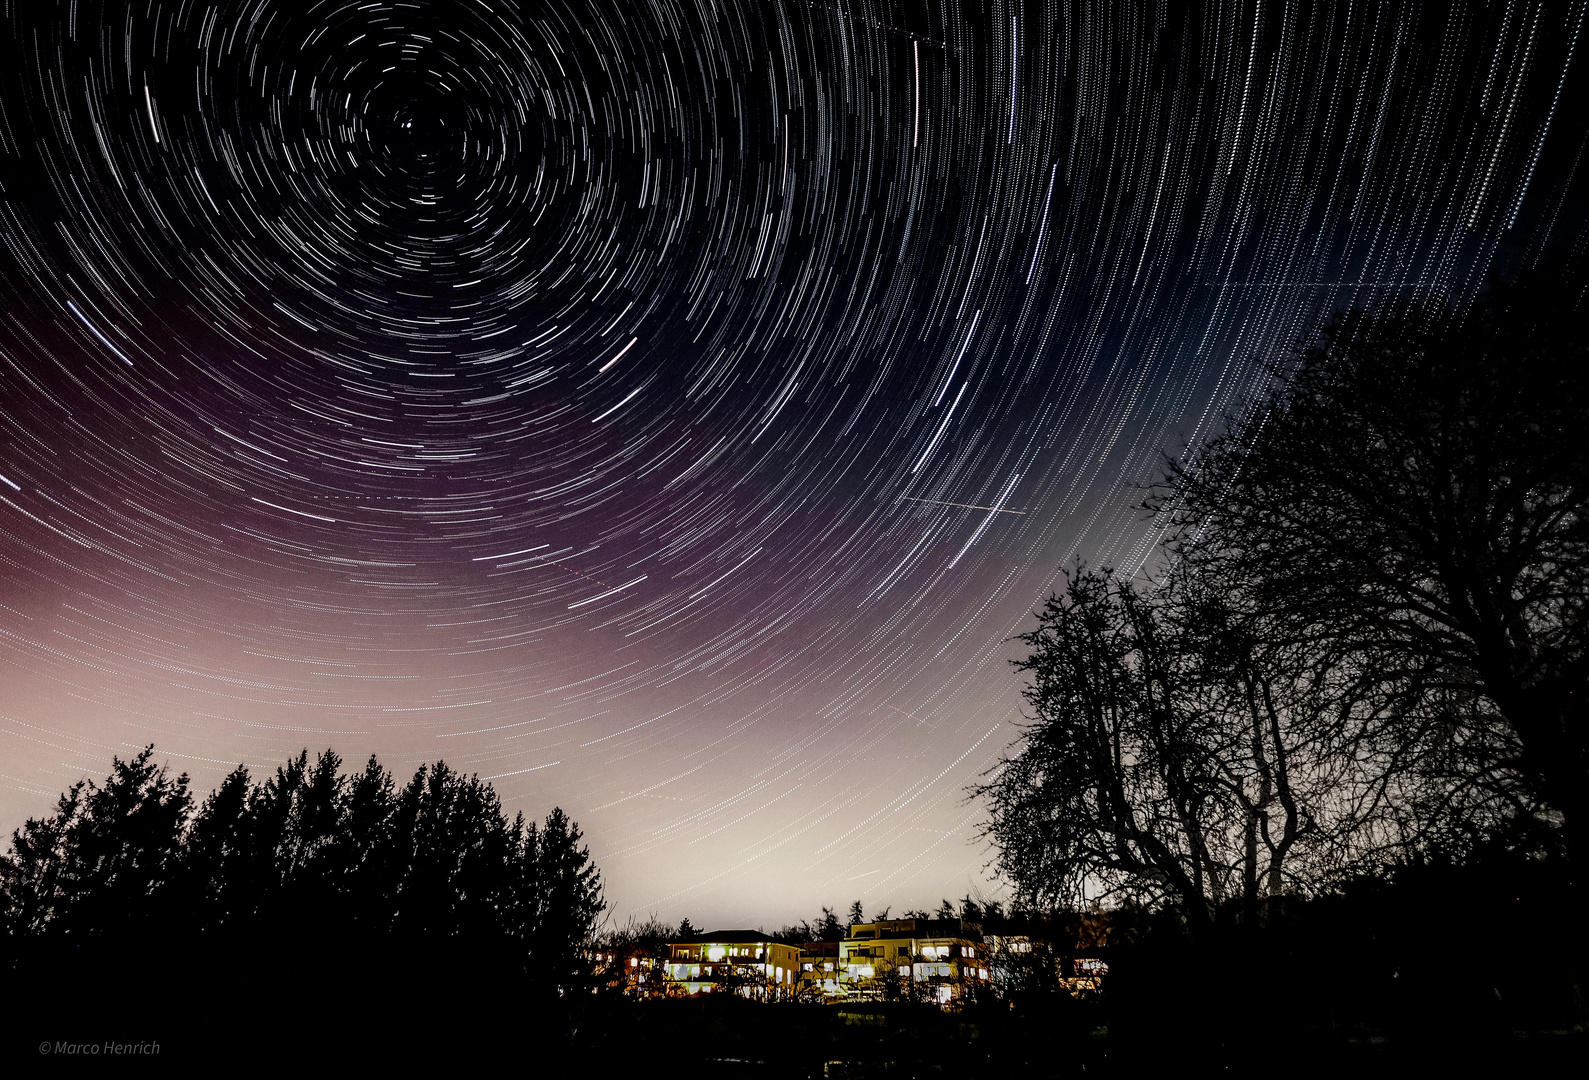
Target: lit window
716, 952
807, 967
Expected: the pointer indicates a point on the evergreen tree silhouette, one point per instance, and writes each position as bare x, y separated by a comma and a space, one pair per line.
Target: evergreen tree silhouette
430, 883
96, 867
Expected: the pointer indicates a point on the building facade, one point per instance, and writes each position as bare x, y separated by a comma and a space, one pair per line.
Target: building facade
935, 959
931, 960
745, 962
819, 970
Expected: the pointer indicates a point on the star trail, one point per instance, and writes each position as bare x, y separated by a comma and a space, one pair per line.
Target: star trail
666, 409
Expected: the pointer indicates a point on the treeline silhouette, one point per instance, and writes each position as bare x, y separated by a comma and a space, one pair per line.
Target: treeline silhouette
651, 937
990, 915
312, 889
1330, 737
1364, 641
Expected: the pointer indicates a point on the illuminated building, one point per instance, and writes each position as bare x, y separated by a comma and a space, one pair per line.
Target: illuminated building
819, 969
1016, 960
745, 962
937, 959
635, 971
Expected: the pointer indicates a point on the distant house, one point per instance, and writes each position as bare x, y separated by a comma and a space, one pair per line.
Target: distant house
635, 970
745, 962
937, 958
819, 969
1087, 974
1018, 959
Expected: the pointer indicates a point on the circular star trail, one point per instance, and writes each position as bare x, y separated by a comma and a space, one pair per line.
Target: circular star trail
669, 410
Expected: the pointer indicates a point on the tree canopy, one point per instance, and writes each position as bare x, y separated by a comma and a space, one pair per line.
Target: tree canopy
309, 852
1413, 492
1365, 637
1175, 754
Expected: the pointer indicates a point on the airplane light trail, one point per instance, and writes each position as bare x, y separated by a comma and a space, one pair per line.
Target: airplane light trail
966, 506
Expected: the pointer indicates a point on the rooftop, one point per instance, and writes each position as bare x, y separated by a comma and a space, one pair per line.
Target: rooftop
727, 937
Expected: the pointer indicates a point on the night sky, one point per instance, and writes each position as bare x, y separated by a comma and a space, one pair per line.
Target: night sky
669, 409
